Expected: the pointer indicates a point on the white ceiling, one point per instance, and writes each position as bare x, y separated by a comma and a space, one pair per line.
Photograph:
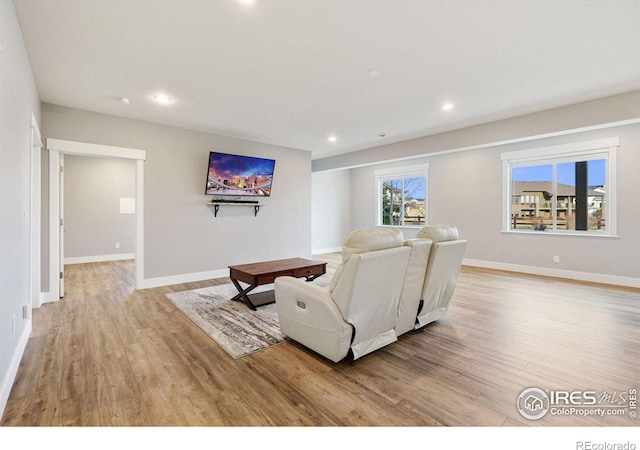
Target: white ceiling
294, 72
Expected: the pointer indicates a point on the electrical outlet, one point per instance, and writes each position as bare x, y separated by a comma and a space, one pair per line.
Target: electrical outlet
556, 259
117, 245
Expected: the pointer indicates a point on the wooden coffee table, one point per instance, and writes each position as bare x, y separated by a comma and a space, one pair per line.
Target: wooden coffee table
261, 273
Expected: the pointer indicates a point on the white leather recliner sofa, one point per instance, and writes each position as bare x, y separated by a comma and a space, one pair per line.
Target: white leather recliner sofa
358, 311
384, 287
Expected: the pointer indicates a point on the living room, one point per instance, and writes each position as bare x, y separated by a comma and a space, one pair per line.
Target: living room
316, 200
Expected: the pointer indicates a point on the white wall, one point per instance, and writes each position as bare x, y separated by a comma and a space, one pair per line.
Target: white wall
92, 219
330, 210
18, 101
182, 237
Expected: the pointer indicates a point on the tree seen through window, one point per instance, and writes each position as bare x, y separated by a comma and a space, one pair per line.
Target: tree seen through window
404, 201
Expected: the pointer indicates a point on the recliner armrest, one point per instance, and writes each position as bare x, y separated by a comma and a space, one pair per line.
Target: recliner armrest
308, 314
303, 297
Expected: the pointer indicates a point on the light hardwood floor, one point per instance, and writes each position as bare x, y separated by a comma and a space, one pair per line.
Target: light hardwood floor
107, 355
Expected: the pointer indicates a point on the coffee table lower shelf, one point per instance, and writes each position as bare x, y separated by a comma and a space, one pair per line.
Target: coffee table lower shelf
259, 274
263, 298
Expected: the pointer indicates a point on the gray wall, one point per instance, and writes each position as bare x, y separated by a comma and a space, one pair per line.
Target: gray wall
330, 209
18, 101
465, 187
181, 234
93, 223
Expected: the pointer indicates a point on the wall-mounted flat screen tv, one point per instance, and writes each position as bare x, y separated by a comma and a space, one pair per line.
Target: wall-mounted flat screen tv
239, 175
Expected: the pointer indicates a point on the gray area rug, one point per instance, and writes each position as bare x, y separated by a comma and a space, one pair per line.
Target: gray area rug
238, 330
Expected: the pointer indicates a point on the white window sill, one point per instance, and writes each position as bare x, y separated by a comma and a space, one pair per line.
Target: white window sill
404, 227
561, 233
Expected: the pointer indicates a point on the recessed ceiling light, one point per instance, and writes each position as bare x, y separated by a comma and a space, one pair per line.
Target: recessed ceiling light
247, 2
332, 138
162, 99
447, 106
375, 72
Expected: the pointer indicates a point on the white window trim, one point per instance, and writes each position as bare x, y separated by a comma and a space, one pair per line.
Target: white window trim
591, 149
418, 170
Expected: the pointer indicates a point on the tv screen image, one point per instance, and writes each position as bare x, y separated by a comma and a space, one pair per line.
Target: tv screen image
239, 175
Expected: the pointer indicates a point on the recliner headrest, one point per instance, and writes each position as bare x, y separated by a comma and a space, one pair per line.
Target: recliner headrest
439, 233
361, 241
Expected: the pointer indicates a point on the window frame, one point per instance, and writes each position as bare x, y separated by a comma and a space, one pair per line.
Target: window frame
414, 171
580, 151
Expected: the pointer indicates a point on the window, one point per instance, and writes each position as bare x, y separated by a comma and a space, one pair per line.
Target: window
402, 196
564, 189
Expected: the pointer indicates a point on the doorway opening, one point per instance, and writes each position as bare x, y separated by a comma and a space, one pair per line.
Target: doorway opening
57, 149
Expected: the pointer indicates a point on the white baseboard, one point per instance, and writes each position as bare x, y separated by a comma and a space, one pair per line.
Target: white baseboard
10, 376
557, 273
184, 278
321, 251
46, 297
99, 258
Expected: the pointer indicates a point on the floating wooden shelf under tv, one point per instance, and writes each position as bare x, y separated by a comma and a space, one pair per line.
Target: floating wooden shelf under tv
216, 206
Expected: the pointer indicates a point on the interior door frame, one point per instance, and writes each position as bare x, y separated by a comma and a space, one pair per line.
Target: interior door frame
59, 147
61, 226
35, 207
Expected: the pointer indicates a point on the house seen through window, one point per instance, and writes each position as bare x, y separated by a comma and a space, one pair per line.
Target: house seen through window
561, 189
575, 206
